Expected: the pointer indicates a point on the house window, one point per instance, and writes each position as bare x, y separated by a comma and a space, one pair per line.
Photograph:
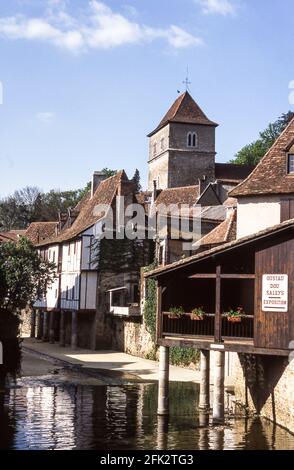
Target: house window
69, 249
192, 140
154, 149
162, 144
291, 164
53, 257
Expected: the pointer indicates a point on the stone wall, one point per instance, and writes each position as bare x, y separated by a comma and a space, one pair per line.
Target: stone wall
25, 323
265, 385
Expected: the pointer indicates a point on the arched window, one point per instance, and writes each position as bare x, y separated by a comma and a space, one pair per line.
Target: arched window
154, 149
192, 139
189, 139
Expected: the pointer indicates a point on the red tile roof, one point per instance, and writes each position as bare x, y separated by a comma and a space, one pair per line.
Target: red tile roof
232, 172
184, 110
88, 216
183, 195
37, 232
270, 176
223, 233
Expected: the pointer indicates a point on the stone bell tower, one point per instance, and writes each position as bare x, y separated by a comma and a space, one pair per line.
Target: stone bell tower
182, 147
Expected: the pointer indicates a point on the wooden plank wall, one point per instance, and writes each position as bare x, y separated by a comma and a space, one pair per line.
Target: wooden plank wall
274, 329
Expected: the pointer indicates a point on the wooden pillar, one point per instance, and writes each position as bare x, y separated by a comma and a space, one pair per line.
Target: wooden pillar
204, 402
33, 324
219, 387
74, 329
51, 327
39, 321
62, 329
163, 382
218, 314
45, 326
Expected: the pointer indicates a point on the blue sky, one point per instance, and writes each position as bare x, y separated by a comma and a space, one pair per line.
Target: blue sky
85, 81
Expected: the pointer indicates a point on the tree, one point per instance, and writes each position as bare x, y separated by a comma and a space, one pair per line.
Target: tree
136, 179
24, 276
108, 172
30, 204
252, 153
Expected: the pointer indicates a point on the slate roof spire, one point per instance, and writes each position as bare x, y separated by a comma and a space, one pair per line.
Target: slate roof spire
184, 110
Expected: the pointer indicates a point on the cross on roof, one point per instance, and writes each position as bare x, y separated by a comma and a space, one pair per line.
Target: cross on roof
187, 81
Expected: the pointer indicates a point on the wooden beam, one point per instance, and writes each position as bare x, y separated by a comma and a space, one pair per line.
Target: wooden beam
238, 276
232, 347
159, 315
203, 276
222, 276
218, 315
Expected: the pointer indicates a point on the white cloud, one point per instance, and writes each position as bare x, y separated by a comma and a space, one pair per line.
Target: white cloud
45, 117
221, 7
99, 28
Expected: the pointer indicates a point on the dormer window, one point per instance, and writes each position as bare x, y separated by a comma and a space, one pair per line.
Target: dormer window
290, 164
192, 140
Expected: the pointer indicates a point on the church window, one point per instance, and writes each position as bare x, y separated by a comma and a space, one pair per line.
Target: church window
291, 163
162, 144
154, 149
192, 140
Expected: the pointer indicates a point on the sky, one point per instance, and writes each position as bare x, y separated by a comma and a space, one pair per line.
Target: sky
82, 82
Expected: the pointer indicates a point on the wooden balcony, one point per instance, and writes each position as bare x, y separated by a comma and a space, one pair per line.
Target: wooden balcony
185, 327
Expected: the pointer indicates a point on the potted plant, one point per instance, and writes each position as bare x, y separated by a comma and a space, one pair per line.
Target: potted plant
235, 315
175, 312
197, 314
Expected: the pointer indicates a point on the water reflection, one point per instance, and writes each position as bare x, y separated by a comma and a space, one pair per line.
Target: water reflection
123, 417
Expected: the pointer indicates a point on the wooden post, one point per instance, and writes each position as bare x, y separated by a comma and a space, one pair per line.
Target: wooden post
39, 322
33, 324
45, 326
219, 387
204, 402
163, 382
218, 314
74, 329
62, 329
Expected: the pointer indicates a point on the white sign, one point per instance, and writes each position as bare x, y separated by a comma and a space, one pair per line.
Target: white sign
275, 293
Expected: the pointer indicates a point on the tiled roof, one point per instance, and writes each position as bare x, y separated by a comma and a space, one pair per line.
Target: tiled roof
12, 235
223, 233
231, 202
232, 172
182, 195
184, 110
87, 217
37, 232
270, 176
271, 231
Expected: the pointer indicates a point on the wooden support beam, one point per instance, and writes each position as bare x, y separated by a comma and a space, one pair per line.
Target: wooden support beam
218, 315
163, 381
222, 276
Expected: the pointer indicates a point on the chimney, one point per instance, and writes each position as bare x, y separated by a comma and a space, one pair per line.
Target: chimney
229, 211
202, 184
97, 178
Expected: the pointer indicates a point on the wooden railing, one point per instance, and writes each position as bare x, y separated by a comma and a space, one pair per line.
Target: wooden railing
184, 326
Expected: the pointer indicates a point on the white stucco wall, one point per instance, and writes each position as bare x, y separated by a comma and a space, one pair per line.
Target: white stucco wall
257, 213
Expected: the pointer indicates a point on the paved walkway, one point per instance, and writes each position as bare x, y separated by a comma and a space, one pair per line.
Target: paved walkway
111, 363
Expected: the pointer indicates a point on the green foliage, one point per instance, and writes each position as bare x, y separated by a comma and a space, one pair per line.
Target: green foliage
24, 276
150, 303
176, 311
136, 179
252, 153
108, 172
183, 356
198, 312
235, 313
30, 204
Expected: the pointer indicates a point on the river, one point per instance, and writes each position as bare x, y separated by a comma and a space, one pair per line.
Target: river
49, 407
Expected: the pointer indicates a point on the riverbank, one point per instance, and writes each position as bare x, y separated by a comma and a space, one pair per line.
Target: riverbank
113, 365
